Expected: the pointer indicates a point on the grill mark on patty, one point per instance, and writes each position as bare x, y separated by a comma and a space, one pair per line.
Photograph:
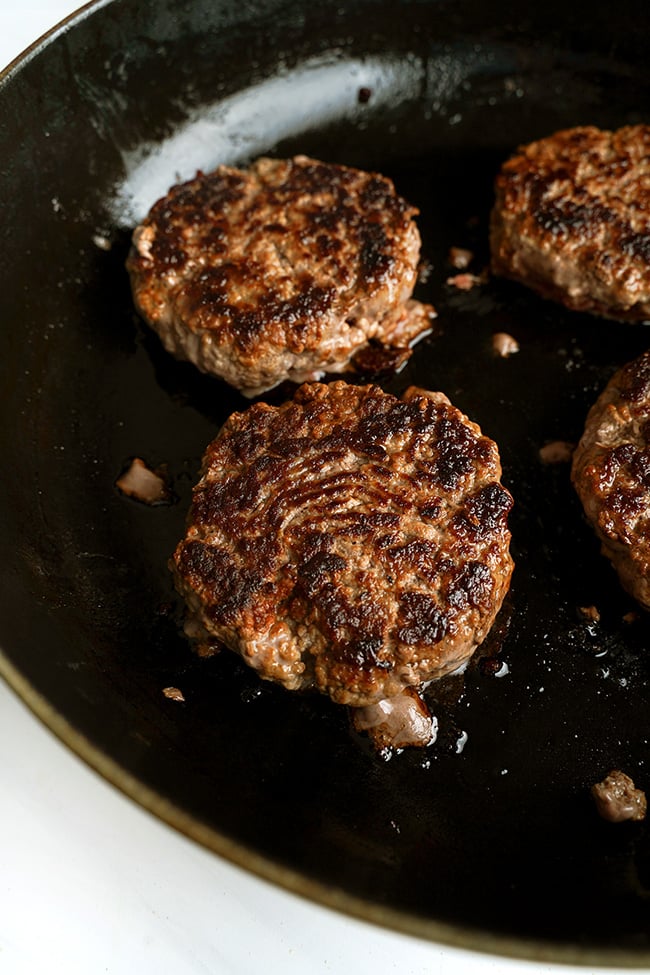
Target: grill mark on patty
561, 217
211, 295
633, 244
470, 585
317, 569
422, 619
211, 567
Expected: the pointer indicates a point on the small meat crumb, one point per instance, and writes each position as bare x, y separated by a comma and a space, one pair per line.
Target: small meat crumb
617, 799
364, 95
466, 281
143, 484
493, 667
504, 345
556, 452
173, 693
378, 360
398, 722
102, 241
425, 270
460, 258
591, 613
631, 617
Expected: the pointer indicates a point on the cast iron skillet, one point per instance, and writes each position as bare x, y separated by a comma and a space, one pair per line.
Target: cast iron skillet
488, 839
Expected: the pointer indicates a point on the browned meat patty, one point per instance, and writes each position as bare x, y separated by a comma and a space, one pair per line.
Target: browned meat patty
347, 540
618, 800
572, 220
611, 473
283, 271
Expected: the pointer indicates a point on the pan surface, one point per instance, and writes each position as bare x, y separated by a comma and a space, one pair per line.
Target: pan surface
489, 838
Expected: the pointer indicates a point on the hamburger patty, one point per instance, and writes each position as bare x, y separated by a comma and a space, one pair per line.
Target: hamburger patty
572, 220
282, 271
347, 540
611, 473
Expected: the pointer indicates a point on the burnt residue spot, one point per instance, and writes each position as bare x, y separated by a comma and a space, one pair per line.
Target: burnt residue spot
381, 420
168, 249
206, 564
310, 301
565, 217
417, 555
291, 447
381, 519
227, 298
455, 452
636, 245
276, 228
208, 296
362, 524
422, 620
213, 238
383, 542
615, 459
353, 624
317, 570
490, 666
375, 259
377, 360
232, 580
457, 449
296, 315
210, 193
364, 95
377, 194
431, 511
247, 489
626, 503
219, 502
313, 178
471, 585
362, 654
200, 202
640, 467
212, 568
450, 467
246, 442
328, 245
484, 512
223, 298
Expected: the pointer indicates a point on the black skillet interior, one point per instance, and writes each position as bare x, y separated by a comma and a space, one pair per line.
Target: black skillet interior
489, 837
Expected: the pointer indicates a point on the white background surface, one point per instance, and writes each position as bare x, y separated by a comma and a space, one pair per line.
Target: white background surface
90, 883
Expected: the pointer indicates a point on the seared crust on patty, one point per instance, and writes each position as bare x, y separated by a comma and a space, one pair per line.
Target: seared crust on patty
347, 540
572, 220
281, 271
611, 473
